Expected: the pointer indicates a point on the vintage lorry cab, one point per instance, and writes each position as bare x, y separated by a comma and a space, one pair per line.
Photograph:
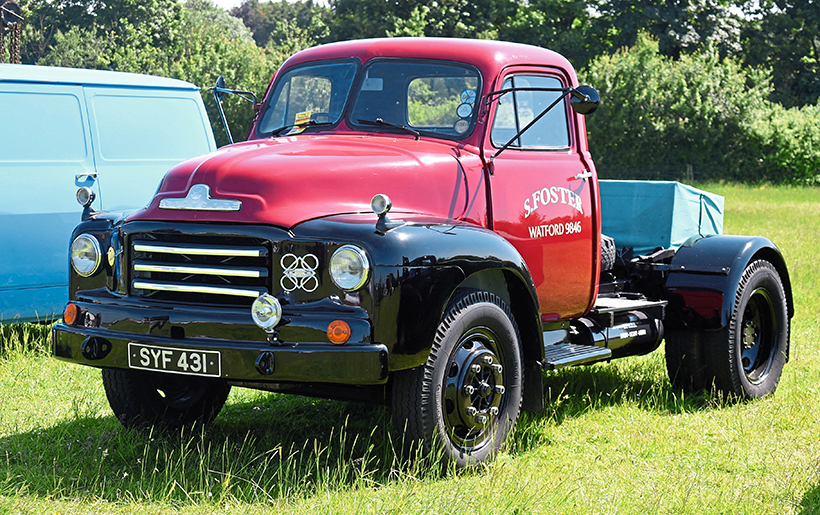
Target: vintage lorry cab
411, 221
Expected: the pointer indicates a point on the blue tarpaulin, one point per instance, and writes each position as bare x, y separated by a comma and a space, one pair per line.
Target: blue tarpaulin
650, 214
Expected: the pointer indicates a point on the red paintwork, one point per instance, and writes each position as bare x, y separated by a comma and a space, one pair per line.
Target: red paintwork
284, 181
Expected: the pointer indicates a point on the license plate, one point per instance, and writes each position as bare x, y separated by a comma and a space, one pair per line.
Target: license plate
175, 360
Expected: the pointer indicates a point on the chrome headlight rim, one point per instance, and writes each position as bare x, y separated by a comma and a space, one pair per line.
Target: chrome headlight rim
363, 262
85, 271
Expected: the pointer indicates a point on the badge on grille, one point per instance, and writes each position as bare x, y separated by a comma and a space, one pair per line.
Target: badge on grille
299, 273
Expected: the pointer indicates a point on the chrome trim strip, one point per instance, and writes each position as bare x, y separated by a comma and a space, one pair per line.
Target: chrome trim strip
229, 272
198, 251
185, 288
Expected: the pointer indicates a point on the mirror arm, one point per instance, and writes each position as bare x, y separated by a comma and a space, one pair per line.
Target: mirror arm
218, 99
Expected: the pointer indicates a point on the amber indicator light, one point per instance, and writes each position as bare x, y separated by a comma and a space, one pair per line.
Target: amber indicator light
71, 313
338, 332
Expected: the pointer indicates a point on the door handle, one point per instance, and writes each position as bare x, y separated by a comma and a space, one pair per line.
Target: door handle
586, 174
93, 175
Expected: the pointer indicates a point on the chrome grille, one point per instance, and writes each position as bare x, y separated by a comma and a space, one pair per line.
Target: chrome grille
214, 270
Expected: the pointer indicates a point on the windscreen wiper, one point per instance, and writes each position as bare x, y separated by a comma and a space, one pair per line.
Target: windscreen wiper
311, 123
378, 121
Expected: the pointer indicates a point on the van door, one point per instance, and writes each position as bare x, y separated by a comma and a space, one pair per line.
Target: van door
542, 200
138, 135
45, 154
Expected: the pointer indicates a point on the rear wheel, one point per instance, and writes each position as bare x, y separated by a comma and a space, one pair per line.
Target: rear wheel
465, 400
749, 354
142, 399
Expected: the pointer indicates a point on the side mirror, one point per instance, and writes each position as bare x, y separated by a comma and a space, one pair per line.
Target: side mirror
220, 85
584, 99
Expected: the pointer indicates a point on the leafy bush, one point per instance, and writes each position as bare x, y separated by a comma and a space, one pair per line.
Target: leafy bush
698, 118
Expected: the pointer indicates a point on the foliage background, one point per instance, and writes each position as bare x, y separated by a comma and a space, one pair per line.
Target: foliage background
691, 89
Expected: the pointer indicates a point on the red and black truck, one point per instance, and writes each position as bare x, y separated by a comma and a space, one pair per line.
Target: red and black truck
416, 222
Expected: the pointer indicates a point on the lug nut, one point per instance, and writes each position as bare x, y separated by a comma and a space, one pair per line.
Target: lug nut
488, 360
497, 369
469, 389
500, 390
475, 368
493, 411
471, 411
481, 419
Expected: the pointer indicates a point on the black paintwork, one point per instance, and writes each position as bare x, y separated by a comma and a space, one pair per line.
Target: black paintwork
417, 268
705, 274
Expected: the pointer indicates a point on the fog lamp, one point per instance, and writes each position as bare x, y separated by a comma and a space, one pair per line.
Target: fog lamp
85, 196
266, 312
380, 204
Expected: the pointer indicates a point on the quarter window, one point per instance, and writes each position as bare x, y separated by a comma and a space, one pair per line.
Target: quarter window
517, 109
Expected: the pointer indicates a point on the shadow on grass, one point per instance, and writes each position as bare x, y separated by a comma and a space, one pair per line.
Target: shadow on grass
810, 505
276, 447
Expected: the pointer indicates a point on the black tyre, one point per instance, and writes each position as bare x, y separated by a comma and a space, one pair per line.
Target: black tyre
143, 399
465, 400
747, 357
685, 362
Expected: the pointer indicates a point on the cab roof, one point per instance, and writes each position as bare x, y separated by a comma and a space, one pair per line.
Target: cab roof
57, 75
489, 56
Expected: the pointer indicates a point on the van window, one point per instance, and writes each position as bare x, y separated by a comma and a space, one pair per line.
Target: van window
156, 128
40, 127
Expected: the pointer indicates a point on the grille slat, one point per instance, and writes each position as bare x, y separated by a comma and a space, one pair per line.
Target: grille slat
225, 270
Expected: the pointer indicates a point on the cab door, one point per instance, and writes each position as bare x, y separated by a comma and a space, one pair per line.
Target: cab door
542, 190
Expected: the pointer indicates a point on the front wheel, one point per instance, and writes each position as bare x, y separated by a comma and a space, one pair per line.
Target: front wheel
465, 400
143, 399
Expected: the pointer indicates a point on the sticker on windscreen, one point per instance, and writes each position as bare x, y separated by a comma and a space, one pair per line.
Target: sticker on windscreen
461, 126
300, 123
468, 96
464, 110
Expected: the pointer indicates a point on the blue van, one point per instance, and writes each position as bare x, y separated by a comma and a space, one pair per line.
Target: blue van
62, 129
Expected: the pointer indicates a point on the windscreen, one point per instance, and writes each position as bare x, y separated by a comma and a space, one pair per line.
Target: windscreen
314, 93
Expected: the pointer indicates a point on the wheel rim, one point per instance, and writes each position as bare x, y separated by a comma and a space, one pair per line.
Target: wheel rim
474, 390
177, 392
757, 334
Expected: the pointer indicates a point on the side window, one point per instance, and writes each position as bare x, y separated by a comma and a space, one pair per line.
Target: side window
517, 109
41, 126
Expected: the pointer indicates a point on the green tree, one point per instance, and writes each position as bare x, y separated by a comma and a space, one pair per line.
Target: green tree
274, 21
784, 35
680, 26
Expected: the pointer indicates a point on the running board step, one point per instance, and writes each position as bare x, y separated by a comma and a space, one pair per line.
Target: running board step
562, 355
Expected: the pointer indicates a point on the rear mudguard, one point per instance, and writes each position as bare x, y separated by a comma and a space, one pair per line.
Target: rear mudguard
704, 276
419, 266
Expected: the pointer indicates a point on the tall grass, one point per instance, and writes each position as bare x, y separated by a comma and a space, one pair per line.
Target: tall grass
615, 438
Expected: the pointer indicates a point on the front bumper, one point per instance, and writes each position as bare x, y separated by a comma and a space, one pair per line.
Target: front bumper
104, 338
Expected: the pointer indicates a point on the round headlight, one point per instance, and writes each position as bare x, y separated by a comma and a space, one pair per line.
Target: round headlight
266, 311
85, 254
349, 268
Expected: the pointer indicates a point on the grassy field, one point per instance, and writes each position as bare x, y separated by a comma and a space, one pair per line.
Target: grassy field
615, 438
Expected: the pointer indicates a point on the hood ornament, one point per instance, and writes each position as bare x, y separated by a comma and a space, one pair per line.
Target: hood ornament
199, 199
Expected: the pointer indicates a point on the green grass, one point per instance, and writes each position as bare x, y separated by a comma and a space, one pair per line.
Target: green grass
615, 438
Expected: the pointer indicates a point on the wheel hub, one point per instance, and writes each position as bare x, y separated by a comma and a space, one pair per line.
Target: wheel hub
749, 334
474, 390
